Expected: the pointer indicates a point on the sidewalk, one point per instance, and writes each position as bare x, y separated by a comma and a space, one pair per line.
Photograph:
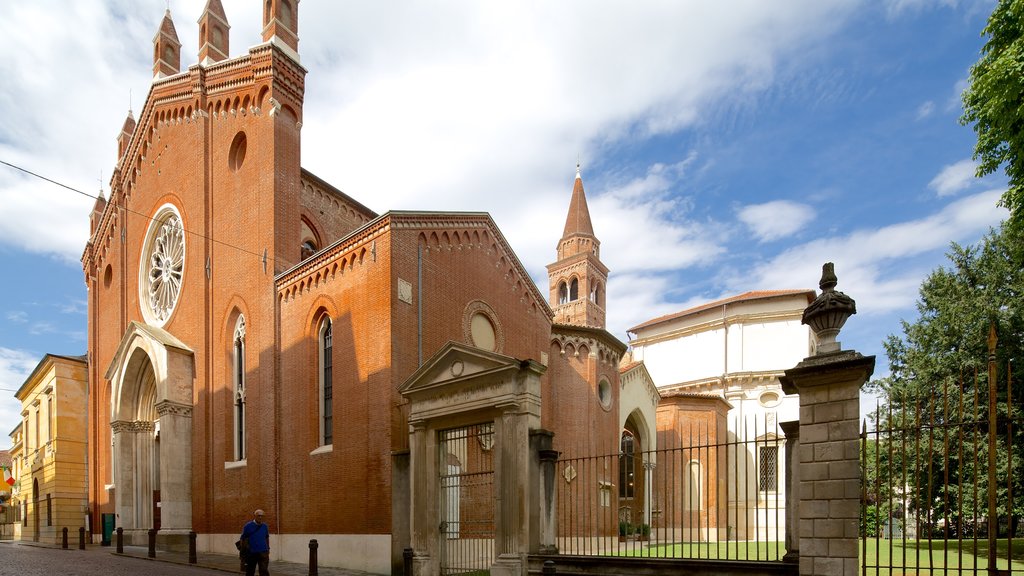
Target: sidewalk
223, 562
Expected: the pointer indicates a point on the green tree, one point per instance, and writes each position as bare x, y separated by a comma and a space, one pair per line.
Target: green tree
933, 457
994, 101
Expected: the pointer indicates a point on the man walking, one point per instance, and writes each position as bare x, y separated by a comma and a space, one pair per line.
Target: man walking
257, 534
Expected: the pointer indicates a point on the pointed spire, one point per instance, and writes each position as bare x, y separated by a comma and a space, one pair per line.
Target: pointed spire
213, 33
125, 137
166, 49
578, 219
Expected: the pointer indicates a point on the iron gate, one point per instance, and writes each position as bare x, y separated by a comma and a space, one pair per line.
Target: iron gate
466, 488
940, 472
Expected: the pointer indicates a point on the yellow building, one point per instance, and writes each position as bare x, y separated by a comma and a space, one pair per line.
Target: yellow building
52, 474
10, 517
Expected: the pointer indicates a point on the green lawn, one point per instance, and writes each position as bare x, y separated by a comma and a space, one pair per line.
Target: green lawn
938, 554
897, 554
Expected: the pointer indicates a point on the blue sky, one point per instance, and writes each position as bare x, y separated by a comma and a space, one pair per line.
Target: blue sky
726, 146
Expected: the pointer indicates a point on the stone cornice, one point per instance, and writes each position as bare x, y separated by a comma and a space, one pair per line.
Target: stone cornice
732, 320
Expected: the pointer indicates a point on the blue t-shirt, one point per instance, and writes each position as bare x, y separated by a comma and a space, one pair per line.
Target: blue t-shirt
258, 535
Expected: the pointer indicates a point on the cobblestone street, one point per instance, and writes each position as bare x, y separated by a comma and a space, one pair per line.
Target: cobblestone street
34, 559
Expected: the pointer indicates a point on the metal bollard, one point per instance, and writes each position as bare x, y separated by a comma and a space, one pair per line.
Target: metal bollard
81, 537
120, 540
64, 538
313, 545
407, 561
549, 567
152, 542
192, 547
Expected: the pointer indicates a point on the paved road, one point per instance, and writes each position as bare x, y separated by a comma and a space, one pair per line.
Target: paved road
24, 560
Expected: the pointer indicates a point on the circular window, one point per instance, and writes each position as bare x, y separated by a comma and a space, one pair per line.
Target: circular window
236, 154
604, 394
481, 327
162, 265
769, 399
482, 331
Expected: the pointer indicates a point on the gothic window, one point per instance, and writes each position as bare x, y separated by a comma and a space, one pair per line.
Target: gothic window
768, 468
574, 290
326, 384
239, 386
595, 294
627, 465
563, 293
286, 14
308, 249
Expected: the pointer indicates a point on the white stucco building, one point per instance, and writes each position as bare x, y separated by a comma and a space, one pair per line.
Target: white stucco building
737, 348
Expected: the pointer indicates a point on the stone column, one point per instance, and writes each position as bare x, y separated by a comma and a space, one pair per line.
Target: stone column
511, 469
792, 487
542, 494
423, 500
123, 475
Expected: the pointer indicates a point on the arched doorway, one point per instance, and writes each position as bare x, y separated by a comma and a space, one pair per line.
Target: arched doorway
151, 425
135, 432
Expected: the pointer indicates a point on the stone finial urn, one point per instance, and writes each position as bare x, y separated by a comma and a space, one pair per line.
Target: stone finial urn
829, 311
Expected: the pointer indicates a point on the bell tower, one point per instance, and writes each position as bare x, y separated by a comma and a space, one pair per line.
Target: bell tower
578, 279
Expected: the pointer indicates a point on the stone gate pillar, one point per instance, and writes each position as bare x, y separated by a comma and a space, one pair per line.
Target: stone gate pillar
829, 454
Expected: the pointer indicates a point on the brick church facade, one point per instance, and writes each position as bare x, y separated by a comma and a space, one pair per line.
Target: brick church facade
251, 326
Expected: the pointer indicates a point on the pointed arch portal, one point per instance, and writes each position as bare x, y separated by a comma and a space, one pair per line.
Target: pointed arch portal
151, 379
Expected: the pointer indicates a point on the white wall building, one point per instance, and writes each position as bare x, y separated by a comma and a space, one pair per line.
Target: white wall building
738, 348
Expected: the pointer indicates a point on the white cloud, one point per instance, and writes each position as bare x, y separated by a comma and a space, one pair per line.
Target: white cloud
776, 219
899, 7
881, 268
954, 178
925, 110
458, 106
15, 367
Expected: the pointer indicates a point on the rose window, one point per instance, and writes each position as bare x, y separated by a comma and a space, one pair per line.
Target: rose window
162, 267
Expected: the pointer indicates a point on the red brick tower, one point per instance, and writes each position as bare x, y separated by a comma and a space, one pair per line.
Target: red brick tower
578, 278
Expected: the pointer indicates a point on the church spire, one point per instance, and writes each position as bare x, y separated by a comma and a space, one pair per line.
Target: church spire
213, 33
166, 49
578, 219
578, 279
125, 137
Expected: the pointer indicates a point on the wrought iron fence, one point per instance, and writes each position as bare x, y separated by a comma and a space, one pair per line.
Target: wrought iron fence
940, 471
705, 493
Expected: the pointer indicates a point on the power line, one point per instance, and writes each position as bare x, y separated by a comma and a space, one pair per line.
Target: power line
127, 209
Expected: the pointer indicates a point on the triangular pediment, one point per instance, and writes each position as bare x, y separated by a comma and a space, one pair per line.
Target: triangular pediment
455, 363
